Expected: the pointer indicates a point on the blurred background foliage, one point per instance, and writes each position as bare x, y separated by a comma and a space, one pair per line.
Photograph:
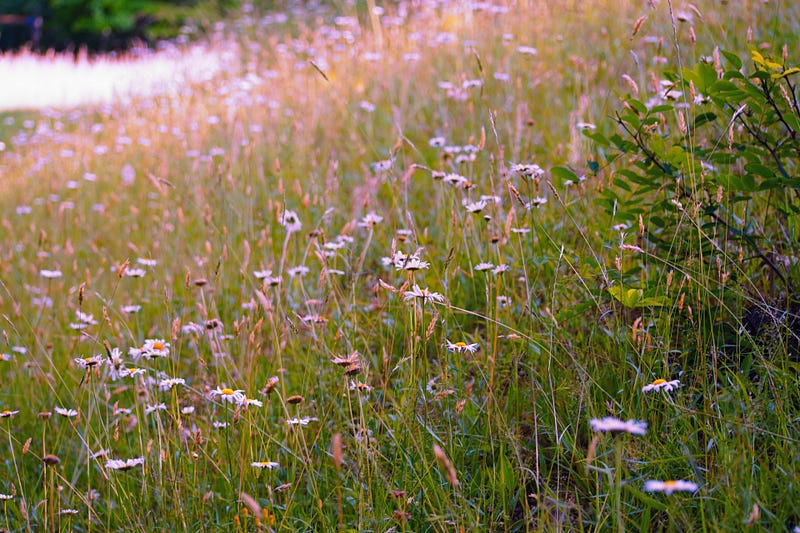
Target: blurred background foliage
104, 25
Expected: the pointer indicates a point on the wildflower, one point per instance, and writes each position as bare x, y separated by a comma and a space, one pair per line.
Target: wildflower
69, 413
68, 512
89, 362
437, 142
272, 382
454, 179
424, 294
86, 318
229, 395
7, 414
461, 347
130, 309
135, 272
219, 425
119, 464
615, 425
132, 372
153, 408
360, 386
527, 50
306, 420
261, 274
147, 262
290, 221
168, 383
413, 263
264, 464
272, 281
398, 260
382, 166
252, 401
474, 207
155, 348
661, 384
527, 170
313, 319
481, 267
536, 202
370, 220
298, 271
351, 359
191, 327
50, 274
6, 497
499, 269
668, 487
99, 453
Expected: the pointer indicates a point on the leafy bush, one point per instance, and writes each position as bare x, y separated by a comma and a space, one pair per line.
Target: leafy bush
705, 172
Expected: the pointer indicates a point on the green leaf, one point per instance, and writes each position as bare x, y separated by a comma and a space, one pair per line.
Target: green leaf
627, 297
759, 170
564, 174
596, 137
733, 59
637, 105
704, 118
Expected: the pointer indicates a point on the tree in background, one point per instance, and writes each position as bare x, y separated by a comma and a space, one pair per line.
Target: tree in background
101, 25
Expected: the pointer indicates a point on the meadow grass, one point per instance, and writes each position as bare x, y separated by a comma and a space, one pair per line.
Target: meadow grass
331, 290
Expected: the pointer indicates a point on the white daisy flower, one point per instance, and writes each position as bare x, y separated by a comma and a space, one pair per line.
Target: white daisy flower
229, 395
661, 384
168, 383
668, 487
127, 464
461, 347
69, 413
304, 421
290, 221
89, 362
370, 220
264, 464
615, 425
474, 207
424, 294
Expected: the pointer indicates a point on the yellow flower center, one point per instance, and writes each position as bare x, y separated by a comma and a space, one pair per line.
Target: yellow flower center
659, 382
461, 344
669, 484
227, 392
158, 346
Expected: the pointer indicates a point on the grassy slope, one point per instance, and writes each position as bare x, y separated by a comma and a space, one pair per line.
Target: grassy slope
512, 418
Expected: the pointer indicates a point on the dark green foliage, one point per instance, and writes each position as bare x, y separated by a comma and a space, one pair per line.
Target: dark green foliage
102, 25
711, 166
